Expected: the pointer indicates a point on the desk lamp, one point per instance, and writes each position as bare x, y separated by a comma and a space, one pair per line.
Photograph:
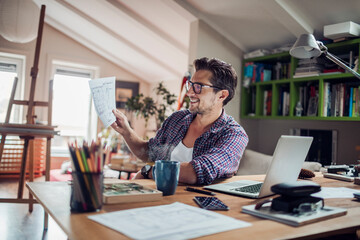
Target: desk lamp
306, 46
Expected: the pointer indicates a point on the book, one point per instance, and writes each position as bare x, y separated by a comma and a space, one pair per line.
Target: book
129, 192
350, 102
306, 74
267, 103
326, 97
294, 219
344, 177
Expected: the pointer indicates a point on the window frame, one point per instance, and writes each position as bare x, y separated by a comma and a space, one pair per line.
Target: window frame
20, 62
93, 122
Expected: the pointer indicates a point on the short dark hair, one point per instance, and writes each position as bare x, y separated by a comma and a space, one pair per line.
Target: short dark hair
223, 75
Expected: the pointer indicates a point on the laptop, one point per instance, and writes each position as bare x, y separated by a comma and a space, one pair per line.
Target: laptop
288, 158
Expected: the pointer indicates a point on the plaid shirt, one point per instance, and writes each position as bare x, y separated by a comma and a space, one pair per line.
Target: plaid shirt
217, 152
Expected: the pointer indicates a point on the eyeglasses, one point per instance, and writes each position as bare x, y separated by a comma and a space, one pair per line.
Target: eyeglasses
302, 209
197, 86
306, 208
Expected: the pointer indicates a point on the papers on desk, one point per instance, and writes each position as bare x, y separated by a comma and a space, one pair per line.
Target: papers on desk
335, 192
103, 94
173, 221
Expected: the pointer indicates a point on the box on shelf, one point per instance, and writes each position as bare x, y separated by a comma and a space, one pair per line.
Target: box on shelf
339, 30
256, 53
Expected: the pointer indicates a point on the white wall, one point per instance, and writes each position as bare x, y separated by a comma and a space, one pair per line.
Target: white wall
206, 42
56, 45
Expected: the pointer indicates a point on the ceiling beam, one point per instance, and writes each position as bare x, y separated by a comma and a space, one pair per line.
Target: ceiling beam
103, 43
147, 27
211, 23
120, 22
287, 16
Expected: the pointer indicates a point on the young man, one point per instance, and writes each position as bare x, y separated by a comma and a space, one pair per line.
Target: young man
208, 142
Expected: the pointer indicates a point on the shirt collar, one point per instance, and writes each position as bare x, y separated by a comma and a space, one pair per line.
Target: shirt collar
188, 119
220, 122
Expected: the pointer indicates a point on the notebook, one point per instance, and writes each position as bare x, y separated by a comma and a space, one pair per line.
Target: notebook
288, 158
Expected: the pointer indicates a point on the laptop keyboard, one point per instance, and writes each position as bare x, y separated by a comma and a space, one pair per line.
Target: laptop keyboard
250, 188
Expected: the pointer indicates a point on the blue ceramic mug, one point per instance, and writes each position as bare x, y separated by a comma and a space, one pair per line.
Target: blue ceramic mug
166, 174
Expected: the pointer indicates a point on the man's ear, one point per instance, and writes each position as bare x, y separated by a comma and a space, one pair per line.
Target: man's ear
224, 94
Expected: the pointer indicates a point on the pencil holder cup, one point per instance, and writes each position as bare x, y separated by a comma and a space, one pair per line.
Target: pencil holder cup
86, 192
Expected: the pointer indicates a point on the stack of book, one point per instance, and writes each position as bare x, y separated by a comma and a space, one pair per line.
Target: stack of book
308, 67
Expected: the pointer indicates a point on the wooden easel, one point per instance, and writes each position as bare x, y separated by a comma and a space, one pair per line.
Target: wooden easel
30, 130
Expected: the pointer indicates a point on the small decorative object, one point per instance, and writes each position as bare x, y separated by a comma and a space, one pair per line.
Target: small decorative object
304, 173
312, 108
298, 109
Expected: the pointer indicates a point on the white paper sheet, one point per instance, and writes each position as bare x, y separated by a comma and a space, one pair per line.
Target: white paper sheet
335, 192
103, 94
173, 221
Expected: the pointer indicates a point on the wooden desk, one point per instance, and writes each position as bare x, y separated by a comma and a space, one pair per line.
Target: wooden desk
55, 198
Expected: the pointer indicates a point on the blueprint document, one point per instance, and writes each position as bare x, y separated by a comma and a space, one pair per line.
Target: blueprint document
173, 221
103, 94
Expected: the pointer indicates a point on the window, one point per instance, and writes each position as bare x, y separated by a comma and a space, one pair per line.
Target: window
72, 112
11, 66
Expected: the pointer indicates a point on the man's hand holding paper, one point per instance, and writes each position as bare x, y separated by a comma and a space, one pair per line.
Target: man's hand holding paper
103, 94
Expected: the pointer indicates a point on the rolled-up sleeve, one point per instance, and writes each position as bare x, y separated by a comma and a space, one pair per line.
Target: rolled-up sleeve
223, 158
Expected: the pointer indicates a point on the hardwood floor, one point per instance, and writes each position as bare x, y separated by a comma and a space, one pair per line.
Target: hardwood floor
16, 223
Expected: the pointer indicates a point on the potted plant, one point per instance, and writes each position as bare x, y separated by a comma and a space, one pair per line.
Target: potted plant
147, 107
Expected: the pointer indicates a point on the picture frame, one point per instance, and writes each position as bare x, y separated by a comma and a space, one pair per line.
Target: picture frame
123, 91
312, 107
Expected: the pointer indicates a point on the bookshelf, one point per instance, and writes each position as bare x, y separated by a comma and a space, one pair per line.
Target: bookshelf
323, 96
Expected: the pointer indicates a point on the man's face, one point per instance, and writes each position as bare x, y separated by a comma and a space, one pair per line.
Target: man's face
205, 101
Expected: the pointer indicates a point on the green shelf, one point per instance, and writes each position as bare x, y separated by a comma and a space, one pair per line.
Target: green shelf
252, 98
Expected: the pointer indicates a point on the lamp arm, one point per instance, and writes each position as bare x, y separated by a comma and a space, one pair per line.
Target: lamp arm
341, 64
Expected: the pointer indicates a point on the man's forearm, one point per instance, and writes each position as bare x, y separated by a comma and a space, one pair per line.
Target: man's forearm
138, 146
187, 173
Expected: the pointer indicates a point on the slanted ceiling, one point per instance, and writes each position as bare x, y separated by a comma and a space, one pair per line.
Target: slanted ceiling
150, 38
